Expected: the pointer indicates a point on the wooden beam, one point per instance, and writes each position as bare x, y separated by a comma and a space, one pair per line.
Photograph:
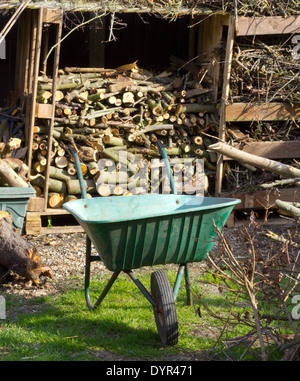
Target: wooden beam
225, 93
54, 86
271, 150
246, 112
266, 25
33, 78
259, 199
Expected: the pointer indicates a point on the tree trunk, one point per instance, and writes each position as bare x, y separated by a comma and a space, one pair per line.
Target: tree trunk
256, 161
18, 255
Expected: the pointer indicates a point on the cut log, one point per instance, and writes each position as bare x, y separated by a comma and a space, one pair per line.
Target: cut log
255, 161
60, 174
38, 167
11, 145
18, 166
61, 161
74, 186
70, 197
113, 141
93, 168
104, 189
9, 176
17, 255
71, 169
288, 207
54, 185
55, 200
128, 97
87, 154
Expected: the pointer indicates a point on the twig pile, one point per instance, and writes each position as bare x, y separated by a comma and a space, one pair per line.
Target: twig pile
262, 283
266, 73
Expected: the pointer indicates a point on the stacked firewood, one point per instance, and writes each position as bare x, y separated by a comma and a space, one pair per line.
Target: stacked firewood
100, 112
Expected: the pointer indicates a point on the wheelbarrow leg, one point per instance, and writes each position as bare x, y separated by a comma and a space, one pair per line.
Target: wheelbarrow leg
114, 276
188, 285
183, 269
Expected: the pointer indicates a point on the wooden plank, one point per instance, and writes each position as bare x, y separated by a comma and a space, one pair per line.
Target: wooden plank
34, 228
35, 204
48, 212
52, 16
249, 26
209, 39
33, 223
247, 112
225, 93
62, 229
271, 150
257, 200
43, 110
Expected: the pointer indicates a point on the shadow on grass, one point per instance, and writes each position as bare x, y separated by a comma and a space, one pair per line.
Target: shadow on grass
63, 328
121, 328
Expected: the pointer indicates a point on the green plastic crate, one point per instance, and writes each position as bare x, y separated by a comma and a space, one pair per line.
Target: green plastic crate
14, 200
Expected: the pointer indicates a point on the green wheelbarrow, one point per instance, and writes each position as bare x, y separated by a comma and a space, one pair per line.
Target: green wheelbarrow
131, 232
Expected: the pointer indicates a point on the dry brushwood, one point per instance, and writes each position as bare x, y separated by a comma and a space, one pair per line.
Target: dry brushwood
256, 278
264, 71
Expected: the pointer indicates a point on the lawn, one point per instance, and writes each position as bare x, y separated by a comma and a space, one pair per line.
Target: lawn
61, 327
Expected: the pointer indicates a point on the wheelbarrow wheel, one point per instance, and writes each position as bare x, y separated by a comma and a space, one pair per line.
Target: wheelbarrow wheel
164, 308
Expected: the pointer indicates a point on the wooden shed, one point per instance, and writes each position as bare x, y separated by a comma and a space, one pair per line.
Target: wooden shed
55, 38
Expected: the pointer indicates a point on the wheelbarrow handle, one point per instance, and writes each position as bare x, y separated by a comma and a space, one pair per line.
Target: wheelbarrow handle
79, 172
168, 167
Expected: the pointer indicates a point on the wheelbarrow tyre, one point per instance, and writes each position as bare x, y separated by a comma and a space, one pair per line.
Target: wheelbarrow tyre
164, 309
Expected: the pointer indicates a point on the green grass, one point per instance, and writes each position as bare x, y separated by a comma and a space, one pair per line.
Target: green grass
61, 327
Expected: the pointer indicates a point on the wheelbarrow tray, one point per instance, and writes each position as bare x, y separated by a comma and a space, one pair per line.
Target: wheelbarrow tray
130, 232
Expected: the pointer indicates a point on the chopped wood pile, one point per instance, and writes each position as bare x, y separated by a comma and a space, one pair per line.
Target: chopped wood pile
100, 112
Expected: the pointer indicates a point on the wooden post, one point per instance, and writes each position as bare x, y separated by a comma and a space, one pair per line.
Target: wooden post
45, 49
37, 31
225, 93
54, 85
210, 37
